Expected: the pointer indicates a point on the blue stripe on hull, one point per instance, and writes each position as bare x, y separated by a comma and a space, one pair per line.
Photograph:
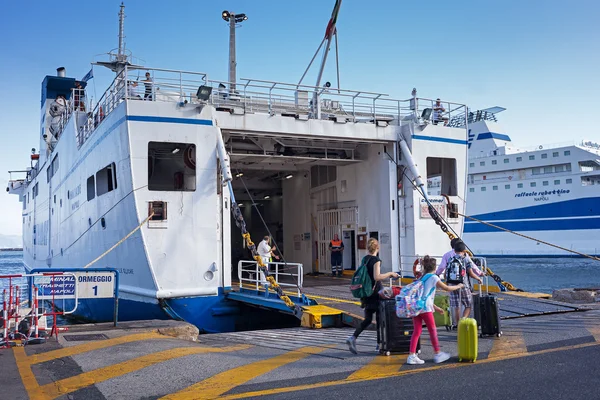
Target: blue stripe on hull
589, 206
534, 226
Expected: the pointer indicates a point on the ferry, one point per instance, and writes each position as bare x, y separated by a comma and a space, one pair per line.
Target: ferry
550, 193
307, 162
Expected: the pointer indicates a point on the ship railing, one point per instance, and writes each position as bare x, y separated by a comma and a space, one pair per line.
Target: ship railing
111, 98
512, 150
285, 274
261, 96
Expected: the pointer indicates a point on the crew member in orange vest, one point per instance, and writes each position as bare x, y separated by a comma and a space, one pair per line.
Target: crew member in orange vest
336, 247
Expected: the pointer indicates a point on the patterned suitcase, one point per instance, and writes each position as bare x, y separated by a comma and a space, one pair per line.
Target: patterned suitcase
467, 340
394, 332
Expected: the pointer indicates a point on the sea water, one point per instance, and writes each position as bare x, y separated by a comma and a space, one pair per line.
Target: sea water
530, 274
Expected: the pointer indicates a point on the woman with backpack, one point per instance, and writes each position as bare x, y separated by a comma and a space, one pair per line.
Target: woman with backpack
430, 282
371, 303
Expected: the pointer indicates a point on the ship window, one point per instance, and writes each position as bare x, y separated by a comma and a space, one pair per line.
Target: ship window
52, 168
567, 153
471, 190
535, 171
544, 155
35, 191
569, 181
519, 159
506, 186
483, 188
548, 170
482, 163
106, 179
506, 161
545, 183
520, 185
471, 164
532, 157
494, 162
532, 184
555, 154
557, 181
171, 167
91, 188
559, 168
568, 167
444, 169
494, 187
24, 199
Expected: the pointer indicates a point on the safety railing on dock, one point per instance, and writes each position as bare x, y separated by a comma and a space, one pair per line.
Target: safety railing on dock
23, 305
302, 102
285, 274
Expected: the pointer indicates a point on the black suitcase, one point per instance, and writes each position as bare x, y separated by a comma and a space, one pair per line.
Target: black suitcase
487, 313
394, 332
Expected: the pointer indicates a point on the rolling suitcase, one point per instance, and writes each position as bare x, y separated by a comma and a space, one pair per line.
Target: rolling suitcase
487, 313
394, 332
444, 319
467, 340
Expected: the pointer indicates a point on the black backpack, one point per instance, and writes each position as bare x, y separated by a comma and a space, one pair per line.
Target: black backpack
455, 270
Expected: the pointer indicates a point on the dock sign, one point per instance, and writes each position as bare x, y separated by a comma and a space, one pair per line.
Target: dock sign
95, 285
55, 287
81, 285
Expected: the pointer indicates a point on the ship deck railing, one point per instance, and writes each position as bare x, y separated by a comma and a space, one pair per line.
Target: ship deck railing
249, 96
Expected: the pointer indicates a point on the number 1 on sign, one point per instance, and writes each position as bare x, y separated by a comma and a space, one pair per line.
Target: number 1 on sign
95, 290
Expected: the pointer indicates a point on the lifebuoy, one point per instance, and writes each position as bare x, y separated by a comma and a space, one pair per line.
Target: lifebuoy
540, 147
510, 177
416, 273
189, 157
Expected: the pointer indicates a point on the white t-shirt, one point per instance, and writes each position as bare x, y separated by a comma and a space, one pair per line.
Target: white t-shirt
264, 250
430, 283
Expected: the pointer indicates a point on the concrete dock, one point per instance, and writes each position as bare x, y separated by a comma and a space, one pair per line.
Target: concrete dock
166, 360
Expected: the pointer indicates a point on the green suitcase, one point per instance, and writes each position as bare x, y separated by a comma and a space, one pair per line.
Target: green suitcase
444, 319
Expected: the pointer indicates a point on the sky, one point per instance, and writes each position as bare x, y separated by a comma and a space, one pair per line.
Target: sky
538, 59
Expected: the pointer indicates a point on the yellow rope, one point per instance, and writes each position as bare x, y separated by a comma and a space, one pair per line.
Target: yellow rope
120, 241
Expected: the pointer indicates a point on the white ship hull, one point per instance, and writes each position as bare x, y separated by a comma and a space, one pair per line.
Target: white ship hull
548, 193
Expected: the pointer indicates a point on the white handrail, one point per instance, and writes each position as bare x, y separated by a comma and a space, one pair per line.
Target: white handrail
249, 273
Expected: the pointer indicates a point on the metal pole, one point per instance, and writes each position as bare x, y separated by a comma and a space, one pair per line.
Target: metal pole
232, 63
121, 32
337, 61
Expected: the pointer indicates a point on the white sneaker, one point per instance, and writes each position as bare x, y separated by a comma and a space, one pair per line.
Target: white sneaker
440, 357
351, 342
413, 359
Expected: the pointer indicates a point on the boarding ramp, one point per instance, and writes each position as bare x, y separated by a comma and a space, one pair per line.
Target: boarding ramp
251, 291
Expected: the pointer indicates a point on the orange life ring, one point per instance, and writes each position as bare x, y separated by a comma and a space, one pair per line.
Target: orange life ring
417, 274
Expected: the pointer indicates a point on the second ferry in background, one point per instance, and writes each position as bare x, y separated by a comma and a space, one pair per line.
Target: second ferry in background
549, 192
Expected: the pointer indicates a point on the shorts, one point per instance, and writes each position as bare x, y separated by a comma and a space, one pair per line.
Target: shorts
461, 296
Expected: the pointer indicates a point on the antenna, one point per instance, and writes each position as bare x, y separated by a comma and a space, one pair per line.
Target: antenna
121, 56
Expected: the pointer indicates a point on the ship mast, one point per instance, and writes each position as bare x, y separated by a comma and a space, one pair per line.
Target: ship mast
121, 57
